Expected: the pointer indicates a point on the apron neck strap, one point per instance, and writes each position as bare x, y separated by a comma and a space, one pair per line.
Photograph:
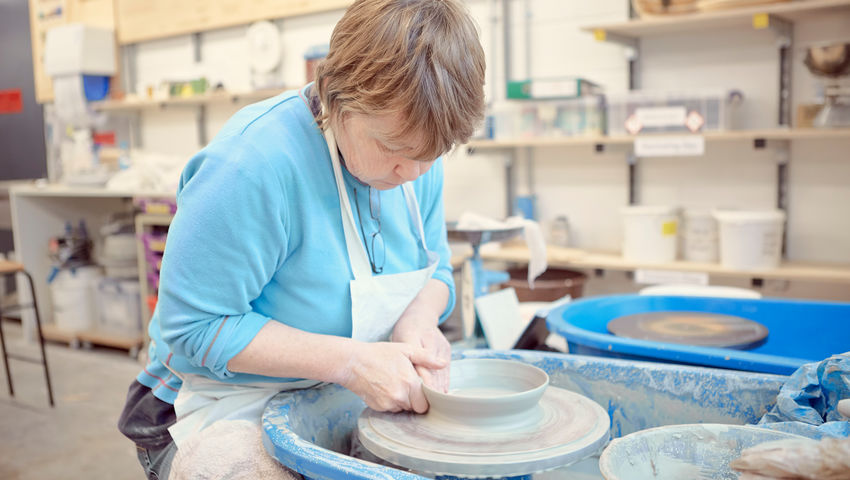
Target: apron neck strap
360, 265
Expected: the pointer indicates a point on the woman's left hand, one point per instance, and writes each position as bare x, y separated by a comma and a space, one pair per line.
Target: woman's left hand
419, 328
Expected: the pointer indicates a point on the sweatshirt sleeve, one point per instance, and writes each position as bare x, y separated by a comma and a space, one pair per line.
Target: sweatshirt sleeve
227, 240
434, 220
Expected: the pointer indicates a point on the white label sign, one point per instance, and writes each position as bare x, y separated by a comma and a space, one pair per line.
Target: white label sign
554, 88
660, 117
670, 146
659, 277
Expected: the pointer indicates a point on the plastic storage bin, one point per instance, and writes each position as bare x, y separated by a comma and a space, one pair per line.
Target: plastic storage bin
72, 292
159, 205
119, 307
699, 236
799, 331
655, 112
751, 240
650, 233
577, 117
584, 116
154, 242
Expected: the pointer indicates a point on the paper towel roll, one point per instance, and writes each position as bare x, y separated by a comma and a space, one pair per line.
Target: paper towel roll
70, 100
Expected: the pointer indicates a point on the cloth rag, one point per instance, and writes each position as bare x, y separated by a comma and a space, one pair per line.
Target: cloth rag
231, 449
797, 459
531, 231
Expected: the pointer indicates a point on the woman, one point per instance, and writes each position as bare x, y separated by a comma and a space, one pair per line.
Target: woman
309, 243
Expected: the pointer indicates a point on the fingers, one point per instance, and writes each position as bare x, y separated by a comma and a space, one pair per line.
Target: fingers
435, 379
418, 402
423, 358
442, 379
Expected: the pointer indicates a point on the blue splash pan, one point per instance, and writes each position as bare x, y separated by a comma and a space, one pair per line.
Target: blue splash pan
799, 331
310, 430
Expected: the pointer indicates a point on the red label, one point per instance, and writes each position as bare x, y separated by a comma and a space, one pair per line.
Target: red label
104, 138
11, 101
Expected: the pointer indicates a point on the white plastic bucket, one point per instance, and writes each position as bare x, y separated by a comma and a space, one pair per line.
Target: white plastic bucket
650, 233
699, 236
72, 293
119, 308
750, 240
120, 246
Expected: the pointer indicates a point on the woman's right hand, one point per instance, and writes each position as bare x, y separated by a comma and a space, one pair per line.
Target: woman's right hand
383, 374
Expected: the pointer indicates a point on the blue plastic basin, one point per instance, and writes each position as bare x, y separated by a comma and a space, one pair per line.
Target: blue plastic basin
799, 331
310, 430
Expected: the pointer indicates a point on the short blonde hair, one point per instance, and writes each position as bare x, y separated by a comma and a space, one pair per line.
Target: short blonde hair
421, 59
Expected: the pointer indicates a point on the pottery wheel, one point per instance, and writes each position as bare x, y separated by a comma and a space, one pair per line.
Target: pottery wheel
691, 328
563, 428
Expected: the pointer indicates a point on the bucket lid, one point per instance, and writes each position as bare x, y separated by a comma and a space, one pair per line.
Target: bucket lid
749, 216
648, 210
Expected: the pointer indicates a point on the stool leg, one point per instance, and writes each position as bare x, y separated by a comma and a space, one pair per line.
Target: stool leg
40, 338
5, 357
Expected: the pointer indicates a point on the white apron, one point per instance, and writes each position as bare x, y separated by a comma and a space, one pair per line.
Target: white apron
377, 302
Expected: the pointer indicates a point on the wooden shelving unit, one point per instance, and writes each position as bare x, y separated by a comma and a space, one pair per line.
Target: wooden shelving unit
584, 259
729, 136
143, 20
731, 18
92, 337
193, 101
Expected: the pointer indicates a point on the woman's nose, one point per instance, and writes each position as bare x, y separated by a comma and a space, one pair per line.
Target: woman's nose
408, 170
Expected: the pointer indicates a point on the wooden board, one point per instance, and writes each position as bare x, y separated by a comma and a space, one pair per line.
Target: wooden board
141, 20
577, 258
52, 333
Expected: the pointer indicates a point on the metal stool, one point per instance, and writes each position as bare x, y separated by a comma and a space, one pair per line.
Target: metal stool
6, 269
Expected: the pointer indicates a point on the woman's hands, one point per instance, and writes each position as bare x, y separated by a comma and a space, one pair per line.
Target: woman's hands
388, 376
420, 330
384, 375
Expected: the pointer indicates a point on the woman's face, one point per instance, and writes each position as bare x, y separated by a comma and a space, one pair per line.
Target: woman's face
372, 157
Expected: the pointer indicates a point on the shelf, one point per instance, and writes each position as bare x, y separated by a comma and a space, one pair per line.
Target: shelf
144, 20
207, 99
61, 190
731, 18
729, 136
51, 332
576, 258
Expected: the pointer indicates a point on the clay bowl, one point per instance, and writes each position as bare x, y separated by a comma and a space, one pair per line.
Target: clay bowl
488, 391
675, 452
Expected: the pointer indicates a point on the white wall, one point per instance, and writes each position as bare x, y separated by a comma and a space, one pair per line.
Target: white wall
588, 187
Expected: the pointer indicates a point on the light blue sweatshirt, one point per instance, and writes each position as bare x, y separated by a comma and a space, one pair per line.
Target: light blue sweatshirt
258, 237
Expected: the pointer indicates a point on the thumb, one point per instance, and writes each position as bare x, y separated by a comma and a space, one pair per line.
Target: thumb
424, 358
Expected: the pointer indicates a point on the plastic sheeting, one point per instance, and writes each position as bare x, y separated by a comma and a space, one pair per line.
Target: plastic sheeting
806, 404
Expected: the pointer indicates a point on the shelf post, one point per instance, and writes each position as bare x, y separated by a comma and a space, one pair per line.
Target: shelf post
196, 46
510, 183
202, 125
632, 160
129, 75
783, 156
784, 32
